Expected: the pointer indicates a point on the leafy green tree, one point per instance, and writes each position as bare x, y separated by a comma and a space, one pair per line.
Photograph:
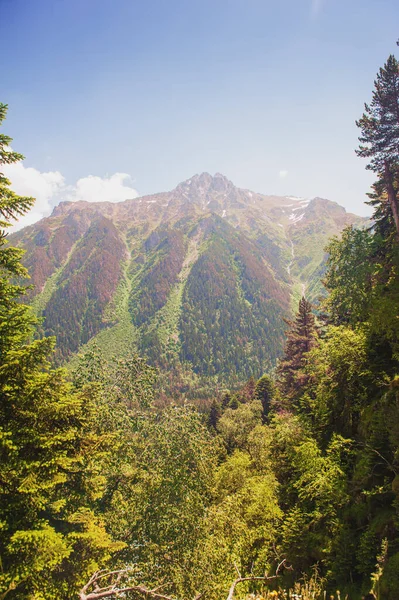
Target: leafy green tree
236, 424
340, 382
363, 287
311, 524
242, 524
12, 206
159, 510
15, 318
128, 380
215, 412
349, 276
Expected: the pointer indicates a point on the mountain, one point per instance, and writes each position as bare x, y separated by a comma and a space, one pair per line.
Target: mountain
198, 279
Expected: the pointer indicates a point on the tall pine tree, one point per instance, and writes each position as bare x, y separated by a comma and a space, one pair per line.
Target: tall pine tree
49, 449
301, 337
379, 139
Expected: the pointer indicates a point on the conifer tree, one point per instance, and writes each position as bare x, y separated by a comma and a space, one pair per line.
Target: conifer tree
50, 537
379, 139
14, 316
301, 337
215, 412
265, 392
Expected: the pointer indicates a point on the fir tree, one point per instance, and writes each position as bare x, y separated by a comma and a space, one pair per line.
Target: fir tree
265, 392
12, 206
301, 338
215, 413
15, 321
50, 537
379, 139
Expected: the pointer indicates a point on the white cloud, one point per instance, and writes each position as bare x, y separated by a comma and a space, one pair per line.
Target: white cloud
45, 187
49, 189
282, 174
98, 189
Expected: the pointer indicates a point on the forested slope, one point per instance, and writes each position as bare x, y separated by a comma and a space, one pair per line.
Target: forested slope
204, 275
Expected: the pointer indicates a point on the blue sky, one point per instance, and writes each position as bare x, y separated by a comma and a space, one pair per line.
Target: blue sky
265, 92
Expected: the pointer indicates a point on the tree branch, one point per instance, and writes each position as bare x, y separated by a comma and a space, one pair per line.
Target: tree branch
265, 577
92, 590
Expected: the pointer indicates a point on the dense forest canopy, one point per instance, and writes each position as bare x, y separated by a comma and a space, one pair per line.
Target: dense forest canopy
290, 482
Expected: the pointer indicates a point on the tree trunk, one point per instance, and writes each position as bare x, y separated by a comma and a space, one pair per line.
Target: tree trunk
392, 199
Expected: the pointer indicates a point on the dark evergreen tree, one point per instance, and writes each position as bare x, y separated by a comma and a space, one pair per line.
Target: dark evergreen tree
265, 392
234, 402
49, 452
215, 413
226, 398
379, 139
301, 337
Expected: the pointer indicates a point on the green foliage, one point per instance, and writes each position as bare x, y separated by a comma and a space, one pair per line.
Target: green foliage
340, 380
159, 504
242, 523
387, 587
235, 425
127, 380
312, 491
379, 140
349, 276
321, 479
11, 205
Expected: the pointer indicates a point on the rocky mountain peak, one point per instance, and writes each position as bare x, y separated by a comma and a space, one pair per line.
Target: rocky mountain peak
205, 185
220, 183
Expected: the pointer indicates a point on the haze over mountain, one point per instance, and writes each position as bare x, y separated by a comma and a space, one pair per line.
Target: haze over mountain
198, 279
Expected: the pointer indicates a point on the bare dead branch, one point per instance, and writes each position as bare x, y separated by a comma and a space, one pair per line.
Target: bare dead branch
94, 590
265, 577
237, 571
240, 580
282, 564
116, 591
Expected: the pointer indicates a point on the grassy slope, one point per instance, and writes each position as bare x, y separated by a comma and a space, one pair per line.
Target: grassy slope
119, 339
166, 320
41, 299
